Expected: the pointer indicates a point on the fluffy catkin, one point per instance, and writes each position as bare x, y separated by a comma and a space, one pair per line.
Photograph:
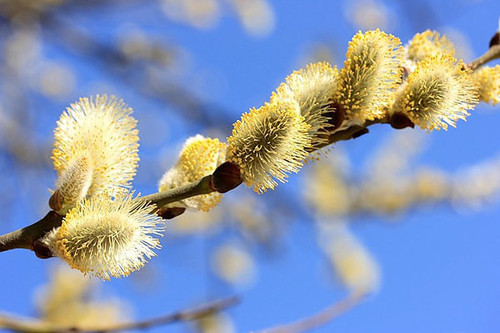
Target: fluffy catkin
268, 143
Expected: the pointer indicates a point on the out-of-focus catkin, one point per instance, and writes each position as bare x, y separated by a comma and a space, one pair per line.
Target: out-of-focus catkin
427, 44
488, 83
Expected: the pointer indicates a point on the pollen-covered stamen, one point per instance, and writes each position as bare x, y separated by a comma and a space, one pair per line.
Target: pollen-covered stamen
106, 237
427, 44
268, 143
371, 73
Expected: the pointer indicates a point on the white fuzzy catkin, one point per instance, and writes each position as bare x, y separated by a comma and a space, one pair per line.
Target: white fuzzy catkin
101, 130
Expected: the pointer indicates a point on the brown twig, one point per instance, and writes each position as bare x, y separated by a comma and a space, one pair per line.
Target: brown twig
160, 199
32, 325
492, 53
25, 238
318, 319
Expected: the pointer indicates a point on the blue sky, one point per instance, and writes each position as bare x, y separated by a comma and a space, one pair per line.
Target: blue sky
440, 268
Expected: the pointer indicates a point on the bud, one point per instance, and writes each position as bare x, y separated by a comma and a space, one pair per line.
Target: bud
226, 177
400, 121
41, 250
168, 213
495, 40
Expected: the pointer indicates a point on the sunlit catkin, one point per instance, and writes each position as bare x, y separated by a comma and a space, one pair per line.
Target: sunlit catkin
438, 93
199, 157
429, 43
372, 70
313, 88
488, 82
100, 130
106, 237
268, 143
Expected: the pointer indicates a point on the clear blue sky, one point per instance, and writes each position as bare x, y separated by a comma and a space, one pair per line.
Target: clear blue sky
440, 268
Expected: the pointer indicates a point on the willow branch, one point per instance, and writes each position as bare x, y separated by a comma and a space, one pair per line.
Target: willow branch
25, 238
202, 186
492, 53
32, 326
318, 319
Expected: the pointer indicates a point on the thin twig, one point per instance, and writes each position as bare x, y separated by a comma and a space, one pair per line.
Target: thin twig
202, 186
32, 325
24, 238
320, 318
492, 53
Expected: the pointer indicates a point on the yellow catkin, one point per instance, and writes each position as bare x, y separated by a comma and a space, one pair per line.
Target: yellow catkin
199, 157
488, 82
268, 143
438, 93
106, 237
313, 88
101, 129
372, 71
429, 43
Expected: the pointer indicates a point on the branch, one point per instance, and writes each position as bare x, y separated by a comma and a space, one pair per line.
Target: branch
26, 238
31, 326
318, 319
492, 53
160, 199
223, 179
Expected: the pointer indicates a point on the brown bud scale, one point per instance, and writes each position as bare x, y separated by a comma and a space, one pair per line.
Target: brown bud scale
226, 177
400, 121
168, 213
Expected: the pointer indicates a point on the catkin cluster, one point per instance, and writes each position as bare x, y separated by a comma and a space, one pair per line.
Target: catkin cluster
104, 231
381, 81
107, 233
